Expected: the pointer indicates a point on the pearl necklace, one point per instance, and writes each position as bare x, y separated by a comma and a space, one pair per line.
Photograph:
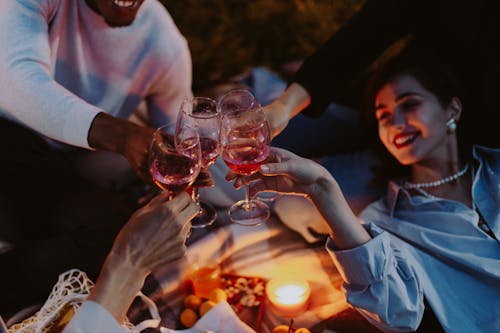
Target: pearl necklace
439, 182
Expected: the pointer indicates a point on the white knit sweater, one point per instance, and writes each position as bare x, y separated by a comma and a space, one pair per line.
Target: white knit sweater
61, 64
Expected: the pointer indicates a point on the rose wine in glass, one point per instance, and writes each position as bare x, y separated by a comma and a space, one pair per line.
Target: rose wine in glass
245, 140
202, 114
245, 156
174, 167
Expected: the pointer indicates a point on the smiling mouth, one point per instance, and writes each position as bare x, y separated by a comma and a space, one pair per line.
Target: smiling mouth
124, 3
402, 140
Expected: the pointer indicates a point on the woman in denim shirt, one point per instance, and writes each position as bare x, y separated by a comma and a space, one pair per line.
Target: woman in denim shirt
433, 240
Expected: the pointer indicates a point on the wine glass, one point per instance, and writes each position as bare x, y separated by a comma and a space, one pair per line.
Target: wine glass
245, 138
242, 100
203, 114
239, 100
174, 158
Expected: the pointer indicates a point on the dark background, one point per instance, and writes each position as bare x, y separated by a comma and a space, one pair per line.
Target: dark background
226, 37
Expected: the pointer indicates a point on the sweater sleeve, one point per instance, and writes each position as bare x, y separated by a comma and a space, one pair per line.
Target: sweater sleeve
335, 72
380, 284
29, 93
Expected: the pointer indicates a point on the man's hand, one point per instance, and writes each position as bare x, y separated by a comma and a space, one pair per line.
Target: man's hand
123, 137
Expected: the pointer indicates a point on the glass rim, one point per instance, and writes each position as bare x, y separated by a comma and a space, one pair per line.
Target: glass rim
201, 115
247, 91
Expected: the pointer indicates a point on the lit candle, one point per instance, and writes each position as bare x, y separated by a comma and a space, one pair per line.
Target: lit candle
288, 297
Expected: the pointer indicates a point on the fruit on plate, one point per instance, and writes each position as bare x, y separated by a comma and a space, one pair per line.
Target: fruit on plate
188, 317
281, 329
206, 306
217, 295
192, 302
286, 329
244, 294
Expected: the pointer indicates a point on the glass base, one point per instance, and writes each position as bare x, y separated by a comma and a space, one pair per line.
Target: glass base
205, 217
253, 212
267, 196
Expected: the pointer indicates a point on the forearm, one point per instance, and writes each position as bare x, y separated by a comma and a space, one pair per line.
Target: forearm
29, 93
345, 229
117, 285
288, 105
294, 100
111, 133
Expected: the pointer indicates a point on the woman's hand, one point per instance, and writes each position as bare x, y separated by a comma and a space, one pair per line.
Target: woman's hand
204, 179
288, 105
277, 117
153, 237
297, 175
292, 174
156, 233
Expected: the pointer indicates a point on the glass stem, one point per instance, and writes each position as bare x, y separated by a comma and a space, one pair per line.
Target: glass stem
195, 195
247, 204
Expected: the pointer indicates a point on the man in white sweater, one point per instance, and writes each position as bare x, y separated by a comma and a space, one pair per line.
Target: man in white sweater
71, 73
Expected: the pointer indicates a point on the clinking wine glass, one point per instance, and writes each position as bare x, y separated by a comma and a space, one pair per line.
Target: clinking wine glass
203, 114
174, 158
240, 100
245, 141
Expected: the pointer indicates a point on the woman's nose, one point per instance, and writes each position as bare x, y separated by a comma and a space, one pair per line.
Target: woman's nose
398, 119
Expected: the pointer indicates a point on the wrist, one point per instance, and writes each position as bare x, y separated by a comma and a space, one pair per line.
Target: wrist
294, 99
118, 283
110, 133
322, 190
344, 227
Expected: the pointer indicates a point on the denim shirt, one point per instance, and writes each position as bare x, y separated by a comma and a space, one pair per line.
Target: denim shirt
432, 247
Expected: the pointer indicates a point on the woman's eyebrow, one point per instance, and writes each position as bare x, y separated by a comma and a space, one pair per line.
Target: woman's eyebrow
379, 106
406, 94
399, 98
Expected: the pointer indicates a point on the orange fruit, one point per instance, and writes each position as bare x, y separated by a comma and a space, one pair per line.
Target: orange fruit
188, 317
206, 306
280, 329
192, 302
217, 295
302, 330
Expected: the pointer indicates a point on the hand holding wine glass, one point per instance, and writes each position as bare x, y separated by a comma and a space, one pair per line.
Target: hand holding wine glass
175, 158
202, 114
245, 140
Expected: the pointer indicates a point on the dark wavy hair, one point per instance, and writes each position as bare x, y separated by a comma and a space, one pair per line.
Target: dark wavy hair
434, 75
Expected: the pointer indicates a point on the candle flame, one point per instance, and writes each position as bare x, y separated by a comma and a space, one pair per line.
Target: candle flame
290, 294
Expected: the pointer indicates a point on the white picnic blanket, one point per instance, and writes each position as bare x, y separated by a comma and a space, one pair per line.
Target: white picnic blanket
270, 250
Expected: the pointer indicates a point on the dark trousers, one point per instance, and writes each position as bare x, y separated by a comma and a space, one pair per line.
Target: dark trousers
55, 219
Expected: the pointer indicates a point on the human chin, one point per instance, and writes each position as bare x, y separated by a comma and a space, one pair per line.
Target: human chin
119, 13
404, 157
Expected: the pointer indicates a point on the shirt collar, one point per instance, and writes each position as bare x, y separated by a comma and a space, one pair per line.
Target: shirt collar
394, 192
487, 158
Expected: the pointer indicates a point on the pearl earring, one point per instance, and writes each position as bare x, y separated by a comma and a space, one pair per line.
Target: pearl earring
451, 125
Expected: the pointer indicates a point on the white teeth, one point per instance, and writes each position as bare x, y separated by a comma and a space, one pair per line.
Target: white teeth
124, 3
403, 139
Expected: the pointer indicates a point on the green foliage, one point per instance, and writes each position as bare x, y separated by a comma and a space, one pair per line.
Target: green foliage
228, 36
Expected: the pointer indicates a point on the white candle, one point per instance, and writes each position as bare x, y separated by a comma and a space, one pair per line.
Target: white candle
288, 297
